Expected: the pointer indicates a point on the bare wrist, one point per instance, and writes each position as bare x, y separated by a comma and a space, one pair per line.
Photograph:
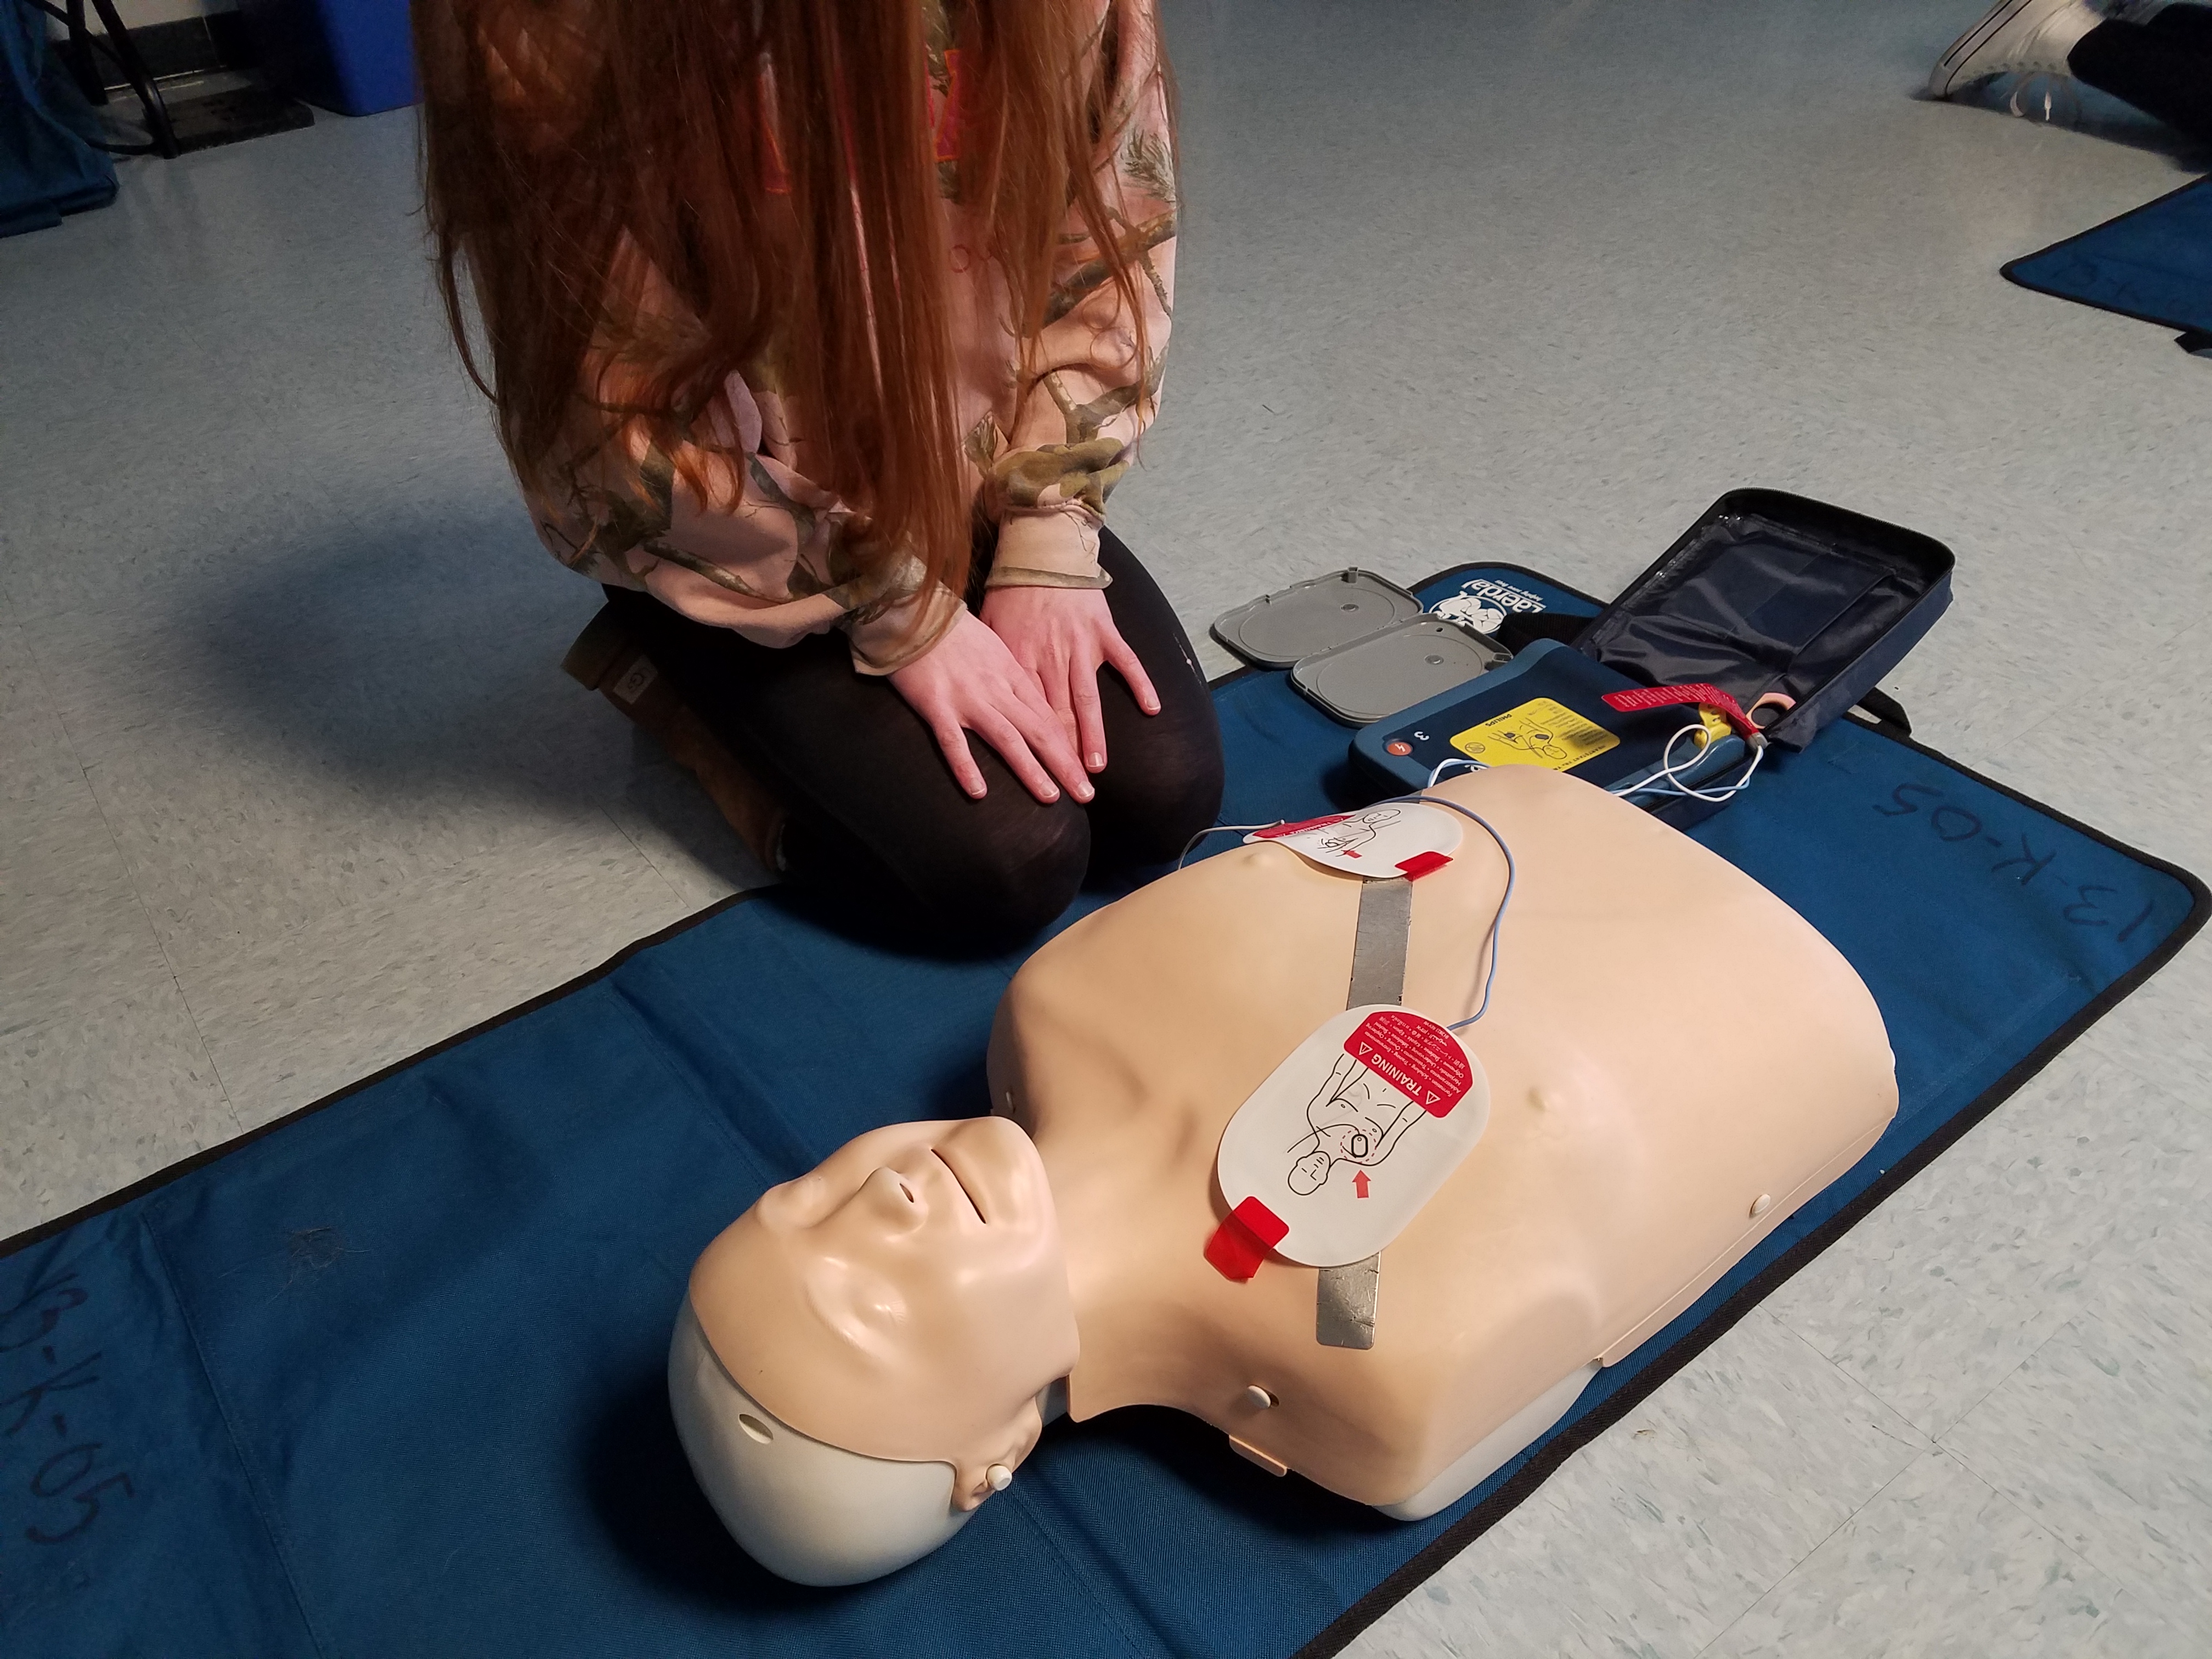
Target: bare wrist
1023, 576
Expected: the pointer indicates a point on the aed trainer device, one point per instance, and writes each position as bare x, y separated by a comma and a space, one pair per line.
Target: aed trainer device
1547, 708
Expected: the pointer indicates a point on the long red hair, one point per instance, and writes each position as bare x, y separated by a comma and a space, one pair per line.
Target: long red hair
775, 162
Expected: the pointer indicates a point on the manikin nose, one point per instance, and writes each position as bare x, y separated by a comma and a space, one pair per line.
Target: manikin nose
899, 1194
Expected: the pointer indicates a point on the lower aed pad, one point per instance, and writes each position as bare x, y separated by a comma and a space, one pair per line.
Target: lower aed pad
1546, 708
1339, 1149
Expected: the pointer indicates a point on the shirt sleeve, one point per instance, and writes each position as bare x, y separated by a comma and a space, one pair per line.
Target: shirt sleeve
729, 535
1077, 428
750, 546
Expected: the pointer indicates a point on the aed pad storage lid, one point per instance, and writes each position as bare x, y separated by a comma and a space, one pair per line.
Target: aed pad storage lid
1276, 630
1368, 679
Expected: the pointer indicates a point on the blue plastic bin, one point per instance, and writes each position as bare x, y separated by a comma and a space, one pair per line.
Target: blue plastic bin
351, 56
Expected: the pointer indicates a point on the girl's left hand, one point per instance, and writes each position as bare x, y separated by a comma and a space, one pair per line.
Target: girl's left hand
1064, 636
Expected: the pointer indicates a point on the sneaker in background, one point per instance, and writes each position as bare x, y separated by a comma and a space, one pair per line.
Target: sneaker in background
2014, 37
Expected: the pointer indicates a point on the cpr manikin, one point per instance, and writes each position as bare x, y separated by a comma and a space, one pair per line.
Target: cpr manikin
1671, 1062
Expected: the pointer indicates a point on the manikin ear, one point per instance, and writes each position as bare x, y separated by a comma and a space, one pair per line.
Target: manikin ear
974, 1481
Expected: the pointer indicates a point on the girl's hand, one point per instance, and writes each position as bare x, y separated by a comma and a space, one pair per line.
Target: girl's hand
969, 682
1062, 635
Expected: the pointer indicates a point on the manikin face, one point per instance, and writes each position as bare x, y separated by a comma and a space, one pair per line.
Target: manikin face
907, 1299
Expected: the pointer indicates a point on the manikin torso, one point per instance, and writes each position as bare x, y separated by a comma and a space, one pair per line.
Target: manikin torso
1675, 1060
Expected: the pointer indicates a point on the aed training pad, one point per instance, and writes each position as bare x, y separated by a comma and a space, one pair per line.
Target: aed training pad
1374, 677
1277, 629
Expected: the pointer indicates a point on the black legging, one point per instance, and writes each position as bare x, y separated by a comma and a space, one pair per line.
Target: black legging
2164, 67
877, 824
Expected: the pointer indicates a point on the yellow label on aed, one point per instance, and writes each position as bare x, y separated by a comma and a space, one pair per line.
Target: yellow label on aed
1540, 732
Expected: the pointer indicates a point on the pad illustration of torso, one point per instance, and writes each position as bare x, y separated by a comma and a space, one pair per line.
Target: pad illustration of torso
1357, 1118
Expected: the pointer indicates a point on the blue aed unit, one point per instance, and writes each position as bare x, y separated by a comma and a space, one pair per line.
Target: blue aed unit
1547, 708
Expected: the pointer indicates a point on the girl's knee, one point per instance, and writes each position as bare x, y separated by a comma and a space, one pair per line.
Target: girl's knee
1160, 807
1004, 888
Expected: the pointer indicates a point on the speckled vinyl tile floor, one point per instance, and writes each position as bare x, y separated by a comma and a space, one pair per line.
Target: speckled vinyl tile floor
291, 785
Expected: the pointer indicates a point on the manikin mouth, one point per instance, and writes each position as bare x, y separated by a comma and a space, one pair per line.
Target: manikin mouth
966, 1191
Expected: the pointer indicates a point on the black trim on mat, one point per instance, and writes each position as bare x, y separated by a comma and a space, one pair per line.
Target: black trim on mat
2010, 269
140, 1187
1561, 1446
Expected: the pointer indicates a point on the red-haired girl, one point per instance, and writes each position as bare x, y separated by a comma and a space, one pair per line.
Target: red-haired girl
818, 331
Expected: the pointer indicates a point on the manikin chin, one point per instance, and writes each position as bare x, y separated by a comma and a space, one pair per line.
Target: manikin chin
1675, 1061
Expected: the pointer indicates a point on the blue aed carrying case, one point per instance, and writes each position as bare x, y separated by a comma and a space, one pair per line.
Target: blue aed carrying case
1795, 608
1774, 595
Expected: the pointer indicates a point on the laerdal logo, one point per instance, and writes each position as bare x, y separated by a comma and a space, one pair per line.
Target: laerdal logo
1484, 603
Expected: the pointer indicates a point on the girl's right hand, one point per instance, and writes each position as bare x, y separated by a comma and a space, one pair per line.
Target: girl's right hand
969, 682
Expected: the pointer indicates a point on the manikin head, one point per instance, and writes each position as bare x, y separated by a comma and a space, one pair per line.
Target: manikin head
859, 1360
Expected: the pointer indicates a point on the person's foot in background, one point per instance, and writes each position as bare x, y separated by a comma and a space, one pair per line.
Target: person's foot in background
2014, 37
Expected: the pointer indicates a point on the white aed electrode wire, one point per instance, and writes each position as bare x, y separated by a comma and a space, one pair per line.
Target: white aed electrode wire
1220, 830
1667, 779
1491, 939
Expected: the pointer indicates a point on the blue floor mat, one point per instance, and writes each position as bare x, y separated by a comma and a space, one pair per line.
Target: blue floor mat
386, 1379
2155, 263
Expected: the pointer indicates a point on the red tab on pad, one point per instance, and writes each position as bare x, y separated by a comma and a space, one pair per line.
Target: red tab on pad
1242, 1240
1262, 1223
1422, 863
1415, 1055
1659, 696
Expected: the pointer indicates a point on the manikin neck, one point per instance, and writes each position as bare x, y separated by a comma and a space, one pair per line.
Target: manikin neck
1124, 1312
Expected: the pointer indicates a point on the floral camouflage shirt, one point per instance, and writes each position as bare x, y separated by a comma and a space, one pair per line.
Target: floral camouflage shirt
1041, 464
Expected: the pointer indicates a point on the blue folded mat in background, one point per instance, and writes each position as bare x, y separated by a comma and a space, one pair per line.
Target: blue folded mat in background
2155, 263
387, 1379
